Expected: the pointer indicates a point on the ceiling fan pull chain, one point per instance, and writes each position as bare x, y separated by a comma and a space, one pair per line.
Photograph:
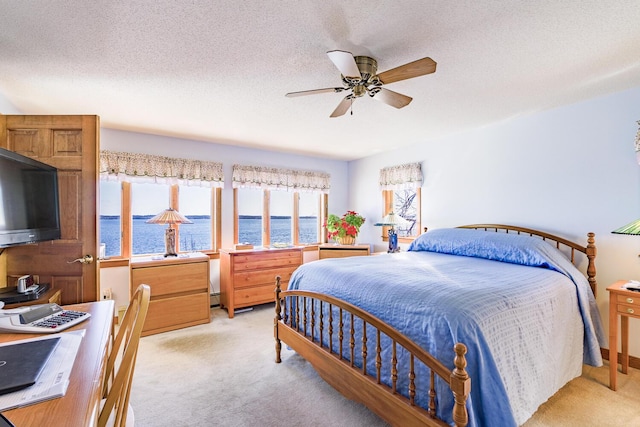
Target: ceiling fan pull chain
351, 107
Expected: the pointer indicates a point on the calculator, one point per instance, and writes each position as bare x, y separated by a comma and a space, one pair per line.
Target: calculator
40, 319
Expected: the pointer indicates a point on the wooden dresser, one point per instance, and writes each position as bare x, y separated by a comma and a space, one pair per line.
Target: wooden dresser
329, 250
248, 277
179, 291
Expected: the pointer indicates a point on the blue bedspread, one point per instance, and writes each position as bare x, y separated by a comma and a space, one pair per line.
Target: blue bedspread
526, 314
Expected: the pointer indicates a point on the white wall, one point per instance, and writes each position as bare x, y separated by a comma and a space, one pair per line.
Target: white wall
6, 107
568, 171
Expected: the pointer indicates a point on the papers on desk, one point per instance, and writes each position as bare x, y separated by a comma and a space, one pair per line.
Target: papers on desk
54, 379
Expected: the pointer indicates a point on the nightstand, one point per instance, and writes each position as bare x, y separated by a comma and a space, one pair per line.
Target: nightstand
623, 303
329, 250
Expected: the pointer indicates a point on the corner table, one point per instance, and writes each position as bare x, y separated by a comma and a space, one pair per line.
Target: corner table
626, 304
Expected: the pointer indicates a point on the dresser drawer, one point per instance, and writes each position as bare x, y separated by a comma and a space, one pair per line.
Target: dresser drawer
628, 305
177, 312
171, 279
257, 261
262, 277
627, 300
256, 295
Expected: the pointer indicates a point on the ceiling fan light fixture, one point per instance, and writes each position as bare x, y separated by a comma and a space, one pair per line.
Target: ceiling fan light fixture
359, 74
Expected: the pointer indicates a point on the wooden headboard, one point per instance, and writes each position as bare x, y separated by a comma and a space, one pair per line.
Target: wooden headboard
560, 243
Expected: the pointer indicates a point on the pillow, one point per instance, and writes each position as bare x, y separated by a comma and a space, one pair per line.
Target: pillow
512, 248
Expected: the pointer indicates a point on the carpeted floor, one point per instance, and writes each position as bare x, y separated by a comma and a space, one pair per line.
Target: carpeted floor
224, 374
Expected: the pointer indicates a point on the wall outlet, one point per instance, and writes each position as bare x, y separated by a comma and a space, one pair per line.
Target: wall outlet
106, 294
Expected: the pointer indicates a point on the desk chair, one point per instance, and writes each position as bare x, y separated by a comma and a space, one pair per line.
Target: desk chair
116, 410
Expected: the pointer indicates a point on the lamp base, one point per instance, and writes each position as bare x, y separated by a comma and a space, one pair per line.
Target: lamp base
393, 241
170, 242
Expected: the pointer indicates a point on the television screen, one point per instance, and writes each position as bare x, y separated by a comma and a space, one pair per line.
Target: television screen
29, 206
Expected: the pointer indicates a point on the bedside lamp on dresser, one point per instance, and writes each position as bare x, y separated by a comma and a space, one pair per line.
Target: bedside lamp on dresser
392, 220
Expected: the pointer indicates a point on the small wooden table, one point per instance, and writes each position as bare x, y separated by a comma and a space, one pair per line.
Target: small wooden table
623, 303
80, 405
52, 296
329, 250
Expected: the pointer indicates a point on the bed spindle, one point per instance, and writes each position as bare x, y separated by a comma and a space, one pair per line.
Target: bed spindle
304, 315
394, 368
278, 318
352, 341
321, 323
432, 394
412, 380
378, 356
330, 328
313, 321
364, 348
341, 333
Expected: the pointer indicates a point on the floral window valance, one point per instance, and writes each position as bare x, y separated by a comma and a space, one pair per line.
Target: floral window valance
136, 167
402, 177
280, 179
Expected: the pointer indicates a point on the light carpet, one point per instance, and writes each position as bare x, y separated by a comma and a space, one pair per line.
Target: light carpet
223, 374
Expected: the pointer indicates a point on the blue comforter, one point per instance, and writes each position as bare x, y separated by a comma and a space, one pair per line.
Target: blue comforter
526, 314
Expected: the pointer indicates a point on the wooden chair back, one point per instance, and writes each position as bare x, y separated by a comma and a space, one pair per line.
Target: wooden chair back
122, 360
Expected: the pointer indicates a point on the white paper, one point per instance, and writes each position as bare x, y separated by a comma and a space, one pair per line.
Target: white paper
54, 379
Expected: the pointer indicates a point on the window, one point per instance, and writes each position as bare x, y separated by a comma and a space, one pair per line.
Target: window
401, 195
196, 204
110, 217
249, 216
405, 203
310, 225
147, 200
278, 206
135, 187
281, 217
292, 217
142, 202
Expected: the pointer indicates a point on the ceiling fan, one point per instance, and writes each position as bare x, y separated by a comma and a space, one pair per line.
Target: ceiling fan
359, 76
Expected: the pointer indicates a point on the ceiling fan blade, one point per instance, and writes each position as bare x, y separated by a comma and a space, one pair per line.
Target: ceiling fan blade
342, 107
408, 71
315, 91
392, 98
345, 63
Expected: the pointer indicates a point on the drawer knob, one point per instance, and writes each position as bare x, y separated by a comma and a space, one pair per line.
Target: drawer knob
630, 300
630, 310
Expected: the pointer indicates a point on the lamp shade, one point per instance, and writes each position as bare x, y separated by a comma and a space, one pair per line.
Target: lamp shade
393, 220
631, 228
169, 216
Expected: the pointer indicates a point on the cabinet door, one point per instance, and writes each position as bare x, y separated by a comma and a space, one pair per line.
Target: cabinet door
171, 279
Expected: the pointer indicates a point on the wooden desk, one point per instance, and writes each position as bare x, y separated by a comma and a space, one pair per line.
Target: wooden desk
51, 296
623, 303
80, 405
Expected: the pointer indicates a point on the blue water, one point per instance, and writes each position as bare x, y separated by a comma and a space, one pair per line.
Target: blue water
149, 238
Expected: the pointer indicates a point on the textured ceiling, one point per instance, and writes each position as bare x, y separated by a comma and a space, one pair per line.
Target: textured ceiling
218, 70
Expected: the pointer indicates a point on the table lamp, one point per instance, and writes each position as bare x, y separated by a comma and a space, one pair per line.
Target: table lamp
169, 216
631, 228
392, 220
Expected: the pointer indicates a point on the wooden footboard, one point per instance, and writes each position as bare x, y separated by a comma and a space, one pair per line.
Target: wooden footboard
315, 337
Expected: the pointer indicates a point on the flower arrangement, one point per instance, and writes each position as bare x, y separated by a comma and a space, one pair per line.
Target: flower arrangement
346, 226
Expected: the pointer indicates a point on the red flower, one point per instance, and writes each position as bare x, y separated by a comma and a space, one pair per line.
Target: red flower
347, 225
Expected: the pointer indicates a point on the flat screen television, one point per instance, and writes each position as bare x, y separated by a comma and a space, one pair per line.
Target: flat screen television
29, 203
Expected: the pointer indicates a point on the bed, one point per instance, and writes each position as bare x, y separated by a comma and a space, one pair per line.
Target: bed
476, 325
